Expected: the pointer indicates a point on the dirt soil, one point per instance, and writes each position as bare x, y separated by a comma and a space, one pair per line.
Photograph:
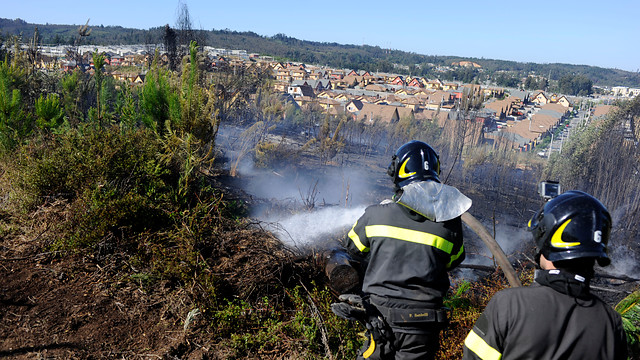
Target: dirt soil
68, 308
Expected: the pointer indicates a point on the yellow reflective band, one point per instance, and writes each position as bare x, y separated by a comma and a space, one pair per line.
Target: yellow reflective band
356, 240
556, 239
409, 235
402, 172
371, 349
456, 256
480, 347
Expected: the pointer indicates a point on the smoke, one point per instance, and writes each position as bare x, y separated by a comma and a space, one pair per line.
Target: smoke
512, 239
624, 261
307, 209
312, 229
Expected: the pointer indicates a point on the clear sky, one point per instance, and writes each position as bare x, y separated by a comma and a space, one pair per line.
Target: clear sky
585, 32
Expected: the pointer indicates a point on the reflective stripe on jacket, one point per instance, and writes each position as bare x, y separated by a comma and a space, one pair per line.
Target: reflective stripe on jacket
538, 322
407, 255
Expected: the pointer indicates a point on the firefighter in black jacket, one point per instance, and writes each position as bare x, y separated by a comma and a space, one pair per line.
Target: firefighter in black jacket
557, 317
407, 245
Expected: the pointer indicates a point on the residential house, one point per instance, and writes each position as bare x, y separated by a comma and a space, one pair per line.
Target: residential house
402, 92
316, 85
391, 98
504, 108
330, 106
119, 76
375, 87
283, 75
315, 75
68, 66
398, 80
520, 94
432, 84
335, 75
277, 66
493, 92
438, 99
413, 103
540, 99
405, 112
354, 106
298, 74
440, 117
556, 110
562, 100
304, 101
342, 97
415, 82
381, 101
449, 86
353, 80
367, 99
280, 86
116, 60
301, 90
370, 113
129, 59
326, 94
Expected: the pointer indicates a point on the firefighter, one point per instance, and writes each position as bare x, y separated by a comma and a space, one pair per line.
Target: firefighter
406, 245
557, 317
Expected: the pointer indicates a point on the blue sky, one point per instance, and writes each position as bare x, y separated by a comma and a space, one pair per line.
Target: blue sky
583, 32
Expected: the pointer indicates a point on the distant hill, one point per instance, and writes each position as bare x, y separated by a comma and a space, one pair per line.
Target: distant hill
357, 57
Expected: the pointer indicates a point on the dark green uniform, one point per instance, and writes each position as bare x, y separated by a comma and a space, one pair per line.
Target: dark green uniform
407, 258
556, 318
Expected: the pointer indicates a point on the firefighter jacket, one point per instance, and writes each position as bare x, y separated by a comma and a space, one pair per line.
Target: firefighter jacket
555, 318
407, 256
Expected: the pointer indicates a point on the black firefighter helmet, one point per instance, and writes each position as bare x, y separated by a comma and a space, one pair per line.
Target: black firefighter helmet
573, 225
414, 161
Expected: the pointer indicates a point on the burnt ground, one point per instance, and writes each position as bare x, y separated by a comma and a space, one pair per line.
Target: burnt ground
72, 308
61, 308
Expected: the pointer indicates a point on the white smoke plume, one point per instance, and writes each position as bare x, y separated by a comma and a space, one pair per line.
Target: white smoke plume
310, 229
511, 239
337, 197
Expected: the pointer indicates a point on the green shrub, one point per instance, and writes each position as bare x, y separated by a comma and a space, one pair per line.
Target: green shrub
270, 155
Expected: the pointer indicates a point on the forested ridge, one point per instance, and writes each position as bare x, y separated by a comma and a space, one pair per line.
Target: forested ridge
357, 57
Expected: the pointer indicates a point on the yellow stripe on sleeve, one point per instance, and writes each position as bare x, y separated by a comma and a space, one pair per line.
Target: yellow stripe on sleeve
480, 347
456, 256
356, 240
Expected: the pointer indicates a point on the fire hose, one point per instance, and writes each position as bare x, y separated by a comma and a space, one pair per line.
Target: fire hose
493, 246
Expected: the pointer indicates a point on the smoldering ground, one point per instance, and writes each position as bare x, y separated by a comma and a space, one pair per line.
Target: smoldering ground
307, 209
312, 208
